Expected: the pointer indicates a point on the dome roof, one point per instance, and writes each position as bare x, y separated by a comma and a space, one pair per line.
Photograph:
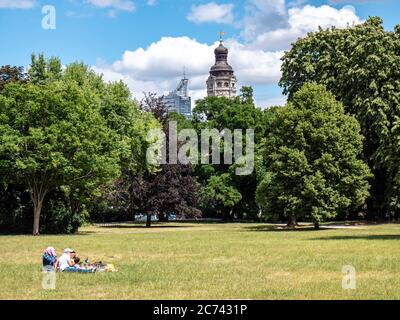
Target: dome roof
221, 49
221, 66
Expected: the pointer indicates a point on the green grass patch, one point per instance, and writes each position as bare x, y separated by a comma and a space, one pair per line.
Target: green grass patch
210, 261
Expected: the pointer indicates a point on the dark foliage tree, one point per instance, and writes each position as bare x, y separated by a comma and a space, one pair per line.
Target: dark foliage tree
9, 74
171, 188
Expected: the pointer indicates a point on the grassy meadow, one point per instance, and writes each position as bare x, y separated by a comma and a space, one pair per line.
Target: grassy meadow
210, 261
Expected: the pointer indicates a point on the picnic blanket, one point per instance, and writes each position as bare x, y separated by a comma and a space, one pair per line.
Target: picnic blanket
97, 266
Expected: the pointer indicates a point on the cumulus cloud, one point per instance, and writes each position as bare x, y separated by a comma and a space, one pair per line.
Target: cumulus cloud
299, 21
159, 67
124, 5
212, 12
267, 31
17, 4
263, 16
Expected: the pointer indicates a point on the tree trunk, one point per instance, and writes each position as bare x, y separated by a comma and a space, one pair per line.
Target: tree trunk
38, 194
316, 225
375, 203
37, 209
292, 223
148, 220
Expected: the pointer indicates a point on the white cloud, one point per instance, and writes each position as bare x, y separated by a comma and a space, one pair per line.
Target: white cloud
271, 101
212, 12
159, 67
256, 60
262, 16
124, 5
298, 22
17, 4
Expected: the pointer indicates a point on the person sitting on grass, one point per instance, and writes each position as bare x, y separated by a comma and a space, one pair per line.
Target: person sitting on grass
49, 259
67, 262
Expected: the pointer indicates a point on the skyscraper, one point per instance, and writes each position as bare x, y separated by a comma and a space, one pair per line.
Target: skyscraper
178, 100
222, 81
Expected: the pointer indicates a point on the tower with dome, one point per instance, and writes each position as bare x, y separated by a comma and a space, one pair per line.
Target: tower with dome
222, 81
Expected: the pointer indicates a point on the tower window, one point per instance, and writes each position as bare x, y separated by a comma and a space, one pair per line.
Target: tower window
226, 84
219, 84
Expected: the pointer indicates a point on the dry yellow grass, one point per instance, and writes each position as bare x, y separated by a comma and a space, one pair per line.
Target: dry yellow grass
207, 261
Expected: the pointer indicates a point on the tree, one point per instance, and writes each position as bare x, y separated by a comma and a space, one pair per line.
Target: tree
222, 113
123, 115
360, 65
312, 160
42, 69
9, 74
14, 200
170, 188
53, 135
220, 195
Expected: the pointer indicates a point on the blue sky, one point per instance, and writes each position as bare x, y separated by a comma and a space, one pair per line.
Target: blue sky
147, 43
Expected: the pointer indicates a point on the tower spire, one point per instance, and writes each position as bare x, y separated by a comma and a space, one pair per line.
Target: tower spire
222, 81
221, 37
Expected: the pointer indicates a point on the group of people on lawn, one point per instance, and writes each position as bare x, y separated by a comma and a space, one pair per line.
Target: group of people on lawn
68, 262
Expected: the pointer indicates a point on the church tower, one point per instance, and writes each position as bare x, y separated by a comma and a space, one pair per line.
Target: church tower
222, 81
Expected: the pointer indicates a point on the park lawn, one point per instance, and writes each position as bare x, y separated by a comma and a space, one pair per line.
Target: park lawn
210, 261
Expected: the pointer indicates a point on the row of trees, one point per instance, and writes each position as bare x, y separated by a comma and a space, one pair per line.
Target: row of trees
361, 67
73, 146
66, 134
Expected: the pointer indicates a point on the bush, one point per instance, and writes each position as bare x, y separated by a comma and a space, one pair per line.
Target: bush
15, 210
59, 218
16, 213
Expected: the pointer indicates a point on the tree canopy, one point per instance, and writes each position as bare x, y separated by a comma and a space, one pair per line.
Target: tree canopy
311, 159
236, 196
69, 131
360, 65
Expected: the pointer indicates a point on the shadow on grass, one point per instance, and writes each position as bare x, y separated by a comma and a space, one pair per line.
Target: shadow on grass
137, 226
79, 233
84, 233
363, 237
272, 228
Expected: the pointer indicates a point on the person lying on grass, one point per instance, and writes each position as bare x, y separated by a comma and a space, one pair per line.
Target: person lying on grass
49, 259
69, 262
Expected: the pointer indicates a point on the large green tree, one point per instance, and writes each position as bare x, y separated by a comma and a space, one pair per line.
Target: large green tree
311, 167
360, 65
222, 113
53, 135
42, 69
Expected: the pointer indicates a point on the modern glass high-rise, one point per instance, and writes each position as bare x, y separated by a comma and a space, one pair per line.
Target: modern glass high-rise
178, 100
